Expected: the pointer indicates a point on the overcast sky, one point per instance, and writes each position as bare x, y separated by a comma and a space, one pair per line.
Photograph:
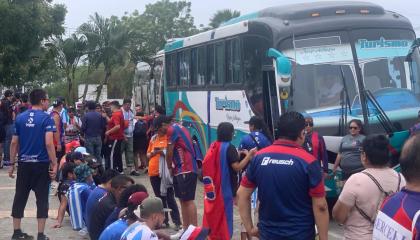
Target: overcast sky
202, 10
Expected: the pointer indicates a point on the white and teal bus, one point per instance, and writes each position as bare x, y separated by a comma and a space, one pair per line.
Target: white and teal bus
333, 60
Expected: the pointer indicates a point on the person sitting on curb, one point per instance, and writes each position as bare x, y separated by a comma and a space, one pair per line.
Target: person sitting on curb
127, 217
153, 213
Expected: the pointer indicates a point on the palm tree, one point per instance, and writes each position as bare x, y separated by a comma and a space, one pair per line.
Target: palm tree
108, 45
222, 16
68, 53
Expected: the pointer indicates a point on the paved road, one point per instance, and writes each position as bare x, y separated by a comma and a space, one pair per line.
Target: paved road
7, 189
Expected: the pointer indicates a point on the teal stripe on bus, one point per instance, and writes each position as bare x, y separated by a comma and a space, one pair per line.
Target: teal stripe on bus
174, 45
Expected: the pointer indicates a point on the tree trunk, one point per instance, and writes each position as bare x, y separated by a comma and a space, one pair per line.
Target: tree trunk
86, 84
69, 90
104, 82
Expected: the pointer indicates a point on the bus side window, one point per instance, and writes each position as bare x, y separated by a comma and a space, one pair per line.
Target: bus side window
198, 66
233, 61
172, 73
184, 67
211, 76
220, 63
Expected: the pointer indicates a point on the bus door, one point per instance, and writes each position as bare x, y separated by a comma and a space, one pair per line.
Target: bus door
271, 100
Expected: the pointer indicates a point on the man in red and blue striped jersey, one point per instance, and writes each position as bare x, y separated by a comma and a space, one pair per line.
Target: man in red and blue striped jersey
399, 217
181, 161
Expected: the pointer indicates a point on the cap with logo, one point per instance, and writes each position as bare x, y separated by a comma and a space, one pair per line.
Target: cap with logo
152, 205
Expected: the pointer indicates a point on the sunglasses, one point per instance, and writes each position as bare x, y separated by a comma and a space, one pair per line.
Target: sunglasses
355, 128
309, 124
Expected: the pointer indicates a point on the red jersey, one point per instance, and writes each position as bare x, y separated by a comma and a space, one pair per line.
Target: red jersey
117, 118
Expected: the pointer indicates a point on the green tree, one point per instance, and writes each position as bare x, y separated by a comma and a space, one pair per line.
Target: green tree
24, 25
159, 22
68, 53
110, 44
222, 16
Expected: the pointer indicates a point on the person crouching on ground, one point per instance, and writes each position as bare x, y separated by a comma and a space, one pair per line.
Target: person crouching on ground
153, 213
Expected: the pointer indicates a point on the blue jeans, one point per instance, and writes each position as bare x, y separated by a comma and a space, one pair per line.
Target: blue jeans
8, 141
94, 147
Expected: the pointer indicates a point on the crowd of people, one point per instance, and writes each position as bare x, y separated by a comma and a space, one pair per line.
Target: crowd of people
276, 184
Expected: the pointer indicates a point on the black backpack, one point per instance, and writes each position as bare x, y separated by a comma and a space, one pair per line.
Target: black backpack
140, 128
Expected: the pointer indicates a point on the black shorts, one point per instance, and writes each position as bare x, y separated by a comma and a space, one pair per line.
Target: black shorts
35, 177
185, 185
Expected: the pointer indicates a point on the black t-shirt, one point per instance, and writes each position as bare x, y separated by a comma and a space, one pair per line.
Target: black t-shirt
100, 213
232, 157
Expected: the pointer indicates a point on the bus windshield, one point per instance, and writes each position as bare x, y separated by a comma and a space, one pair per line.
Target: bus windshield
323, 72
324, 75
382, 54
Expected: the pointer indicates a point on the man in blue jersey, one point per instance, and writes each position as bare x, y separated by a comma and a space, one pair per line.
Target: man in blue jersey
78, 195
37, 161
99, 192
290, 187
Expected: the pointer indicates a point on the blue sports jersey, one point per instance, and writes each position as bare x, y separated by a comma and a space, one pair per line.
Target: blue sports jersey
115, 230
138, 231
30, 127
287, 177
93, 199
248, 143
78, 195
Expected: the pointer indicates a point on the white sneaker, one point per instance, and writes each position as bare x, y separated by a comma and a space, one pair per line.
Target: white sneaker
83, 232
177, 235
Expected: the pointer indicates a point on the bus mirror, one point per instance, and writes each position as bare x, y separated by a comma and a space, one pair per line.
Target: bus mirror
414, 45
282, 66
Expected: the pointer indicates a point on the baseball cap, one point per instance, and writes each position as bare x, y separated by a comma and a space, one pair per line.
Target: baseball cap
82, 172
195, 233
137, 198
92, 162
57, 102
81, 150
152, 205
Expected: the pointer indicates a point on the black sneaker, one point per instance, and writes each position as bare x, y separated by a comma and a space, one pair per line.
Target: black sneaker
135, 173
42, 237
22, 236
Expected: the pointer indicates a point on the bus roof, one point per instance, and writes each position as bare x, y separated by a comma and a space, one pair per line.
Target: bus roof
303, 18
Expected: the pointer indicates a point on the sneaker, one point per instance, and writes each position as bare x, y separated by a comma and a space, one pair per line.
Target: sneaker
43, 237
83, 232
177, 235
177, 227
135, 173
22, 236
6, 163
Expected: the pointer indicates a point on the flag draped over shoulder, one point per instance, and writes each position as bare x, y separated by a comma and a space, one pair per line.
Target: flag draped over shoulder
218, 199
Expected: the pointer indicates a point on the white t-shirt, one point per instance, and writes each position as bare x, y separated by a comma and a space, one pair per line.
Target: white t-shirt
361, 190
138, 231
